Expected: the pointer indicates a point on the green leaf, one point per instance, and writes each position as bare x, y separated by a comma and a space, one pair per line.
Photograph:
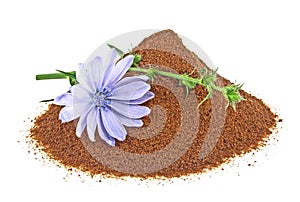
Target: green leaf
232, 94
47, 100
121, 53
208, 79
150, 73
186, 82
137, 59
73, 81
192, 72
202, 71
210, 91
70, 74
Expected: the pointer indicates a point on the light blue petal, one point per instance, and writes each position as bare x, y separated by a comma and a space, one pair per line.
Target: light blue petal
104, 78
91, 124
80, 66
108, 66
131, 91
80, 94
131, 79
66, 114
115, 72
113, 125
80, 109
81, 125
102, 132
128, 121
95, 70
64, 99
82, 101
147, 96
112, 57
130, 111
84, 78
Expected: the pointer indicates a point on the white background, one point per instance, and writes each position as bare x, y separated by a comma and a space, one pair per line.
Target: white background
256, 42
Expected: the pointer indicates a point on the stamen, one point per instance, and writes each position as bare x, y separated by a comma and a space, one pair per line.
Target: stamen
100, 98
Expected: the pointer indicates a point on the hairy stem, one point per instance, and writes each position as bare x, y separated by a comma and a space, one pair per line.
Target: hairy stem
180, 77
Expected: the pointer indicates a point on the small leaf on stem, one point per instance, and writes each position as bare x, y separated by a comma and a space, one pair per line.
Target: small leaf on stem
49, 100
137, 58
121, 53
232, 94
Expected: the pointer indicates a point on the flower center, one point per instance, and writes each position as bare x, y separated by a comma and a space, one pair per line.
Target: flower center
100, 98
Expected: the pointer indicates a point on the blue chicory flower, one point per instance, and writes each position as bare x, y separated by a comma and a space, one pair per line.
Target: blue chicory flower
106, 101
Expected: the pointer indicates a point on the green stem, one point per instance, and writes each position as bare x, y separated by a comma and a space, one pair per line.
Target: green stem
154, 71
182, 77
51, 76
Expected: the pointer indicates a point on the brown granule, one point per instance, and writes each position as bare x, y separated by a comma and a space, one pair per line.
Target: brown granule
240, 131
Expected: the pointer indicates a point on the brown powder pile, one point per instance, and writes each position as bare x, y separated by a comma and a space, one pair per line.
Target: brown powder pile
219, 134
